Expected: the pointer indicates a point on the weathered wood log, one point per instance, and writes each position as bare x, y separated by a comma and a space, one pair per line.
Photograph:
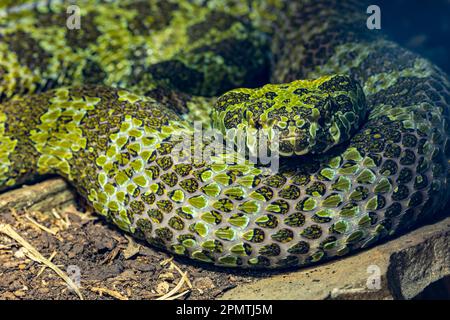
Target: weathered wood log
43, 196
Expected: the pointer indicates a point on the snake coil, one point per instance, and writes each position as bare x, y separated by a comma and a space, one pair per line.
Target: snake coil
364, 146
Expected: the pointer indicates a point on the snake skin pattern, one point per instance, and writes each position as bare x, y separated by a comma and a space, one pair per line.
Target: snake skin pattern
364, 144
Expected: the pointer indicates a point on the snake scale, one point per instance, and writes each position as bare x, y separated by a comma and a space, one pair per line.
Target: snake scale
363, 144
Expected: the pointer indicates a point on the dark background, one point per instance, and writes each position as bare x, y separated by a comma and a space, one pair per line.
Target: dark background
424, 27
420, 25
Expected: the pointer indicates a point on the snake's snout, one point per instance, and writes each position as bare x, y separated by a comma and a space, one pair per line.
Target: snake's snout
306, 116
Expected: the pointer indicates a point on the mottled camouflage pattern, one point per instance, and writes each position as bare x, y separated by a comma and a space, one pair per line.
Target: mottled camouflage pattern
140, 45
117, 146
309, 116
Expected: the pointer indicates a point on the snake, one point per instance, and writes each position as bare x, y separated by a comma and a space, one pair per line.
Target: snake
358, 126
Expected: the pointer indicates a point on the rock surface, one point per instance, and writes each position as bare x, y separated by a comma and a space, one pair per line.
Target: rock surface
399, 269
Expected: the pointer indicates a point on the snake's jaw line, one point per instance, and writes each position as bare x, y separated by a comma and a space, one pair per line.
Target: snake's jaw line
356, 154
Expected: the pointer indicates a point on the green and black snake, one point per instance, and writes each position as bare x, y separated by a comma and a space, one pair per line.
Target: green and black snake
363, 144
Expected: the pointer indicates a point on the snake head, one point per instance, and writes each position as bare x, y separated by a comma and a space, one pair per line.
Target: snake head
299, 118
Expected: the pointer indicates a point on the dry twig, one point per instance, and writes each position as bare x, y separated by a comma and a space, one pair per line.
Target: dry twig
35, 255
112, 293
174, 293
40, 226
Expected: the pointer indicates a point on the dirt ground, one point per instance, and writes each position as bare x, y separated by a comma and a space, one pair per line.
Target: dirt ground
107, 263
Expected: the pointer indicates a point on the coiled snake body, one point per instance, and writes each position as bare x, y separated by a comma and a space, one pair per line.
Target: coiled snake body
364, 147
